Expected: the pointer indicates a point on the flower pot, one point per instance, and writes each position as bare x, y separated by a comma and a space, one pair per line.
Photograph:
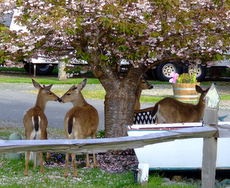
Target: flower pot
185, 92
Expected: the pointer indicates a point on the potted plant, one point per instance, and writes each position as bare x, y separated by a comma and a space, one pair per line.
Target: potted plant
184, 86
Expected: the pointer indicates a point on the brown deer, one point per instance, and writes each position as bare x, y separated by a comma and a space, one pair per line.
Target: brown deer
169, 110
80, 122
143, 85
35, 121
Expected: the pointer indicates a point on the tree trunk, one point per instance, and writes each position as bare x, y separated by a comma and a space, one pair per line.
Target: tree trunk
118, 112
119, 105
120, 98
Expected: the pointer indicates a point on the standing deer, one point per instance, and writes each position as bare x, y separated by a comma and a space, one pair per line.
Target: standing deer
143, 85
169, 110
35, 121
80, 122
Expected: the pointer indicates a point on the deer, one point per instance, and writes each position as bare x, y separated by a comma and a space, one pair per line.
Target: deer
170, 110
143, 85
80, 122
35, 121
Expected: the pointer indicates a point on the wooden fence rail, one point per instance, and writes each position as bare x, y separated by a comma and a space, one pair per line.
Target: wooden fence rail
104, 144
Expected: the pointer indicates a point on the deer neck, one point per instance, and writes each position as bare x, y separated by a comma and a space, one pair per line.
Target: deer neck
201, 104
138, 94
41, 103
137, 101
79, 101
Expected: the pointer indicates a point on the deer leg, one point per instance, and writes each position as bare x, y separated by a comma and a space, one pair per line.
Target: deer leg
27, 155
66, 164
95, 164
73, 156
41, 162
34, 157
87, 160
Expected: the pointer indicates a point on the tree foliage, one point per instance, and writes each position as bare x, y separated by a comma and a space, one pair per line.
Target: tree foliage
102, 32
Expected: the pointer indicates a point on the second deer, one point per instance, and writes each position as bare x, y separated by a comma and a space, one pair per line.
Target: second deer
35, 121
80, 122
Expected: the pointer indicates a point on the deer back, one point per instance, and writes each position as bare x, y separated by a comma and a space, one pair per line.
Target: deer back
34, 120
81, 121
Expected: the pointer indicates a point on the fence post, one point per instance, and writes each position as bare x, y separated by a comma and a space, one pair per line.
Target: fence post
210, 144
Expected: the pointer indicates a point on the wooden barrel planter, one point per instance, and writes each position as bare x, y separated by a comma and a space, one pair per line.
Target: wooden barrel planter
185, 92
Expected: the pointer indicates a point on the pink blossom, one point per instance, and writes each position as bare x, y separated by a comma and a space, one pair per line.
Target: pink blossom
174, 77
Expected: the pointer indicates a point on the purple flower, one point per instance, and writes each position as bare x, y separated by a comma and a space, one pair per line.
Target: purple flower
174, 77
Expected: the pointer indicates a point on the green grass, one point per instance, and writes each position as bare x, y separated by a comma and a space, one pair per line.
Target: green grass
45, 80
11, 176
98, 93
11, 173
225, 97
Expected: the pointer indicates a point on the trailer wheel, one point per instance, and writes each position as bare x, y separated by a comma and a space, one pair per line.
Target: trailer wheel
200, 71
164, 70
41, 69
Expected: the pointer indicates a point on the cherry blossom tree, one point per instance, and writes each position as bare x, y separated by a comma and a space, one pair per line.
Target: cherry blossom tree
105, 32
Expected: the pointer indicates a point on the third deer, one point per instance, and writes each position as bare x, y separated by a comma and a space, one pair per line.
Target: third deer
169, 110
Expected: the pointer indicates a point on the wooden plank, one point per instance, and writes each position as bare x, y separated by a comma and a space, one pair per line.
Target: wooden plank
209, 162
105, 144
166, 125
223, 129
210, 144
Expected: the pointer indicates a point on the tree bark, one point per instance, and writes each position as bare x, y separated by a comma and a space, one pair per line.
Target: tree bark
120, 98
119, 109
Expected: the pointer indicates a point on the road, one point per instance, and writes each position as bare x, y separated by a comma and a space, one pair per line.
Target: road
15, 99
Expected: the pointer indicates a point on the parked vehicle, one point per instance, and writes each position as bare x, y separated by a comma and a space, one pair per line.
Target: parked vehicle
163, 71
180, 154
43, 65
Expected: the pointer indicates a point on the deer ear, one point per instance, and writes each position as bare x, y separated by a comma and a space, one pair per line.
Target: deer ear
36, 84
73, 87
199, 89
83, 83
48, 87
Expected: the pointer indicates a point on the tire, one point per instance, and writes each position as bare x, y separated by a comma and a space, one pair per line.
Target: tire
201, 71
164, 70
44, 69
41, 69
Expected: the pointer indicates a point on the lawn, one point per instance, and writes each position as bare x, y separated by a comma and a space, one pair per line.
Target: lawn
99, 92
11, 174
